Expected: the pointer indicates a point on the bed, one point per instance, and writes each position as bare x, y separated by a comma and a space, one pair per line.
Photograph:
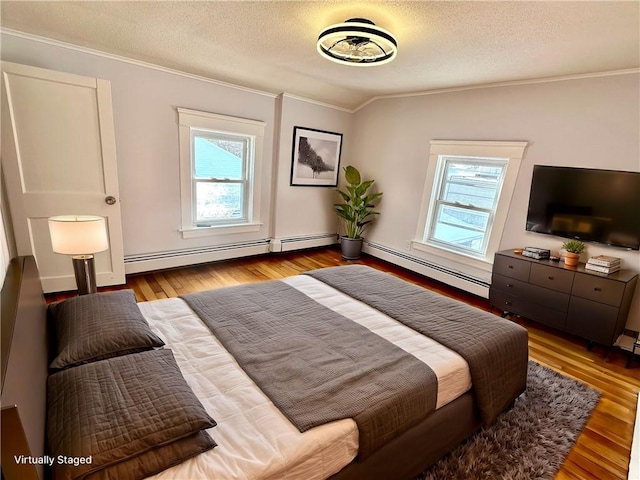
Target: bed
357, 400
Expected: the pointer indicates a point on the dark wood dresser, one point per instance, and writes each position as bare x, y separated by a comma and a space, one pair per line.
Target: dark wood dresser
589, 304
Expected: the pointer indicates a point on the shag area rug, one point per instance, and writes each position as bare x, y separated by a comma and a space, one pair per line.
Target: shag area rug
531, 440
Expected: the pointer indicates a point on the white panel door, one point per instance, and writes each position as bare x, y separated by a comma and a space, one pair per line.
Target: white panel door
59, 158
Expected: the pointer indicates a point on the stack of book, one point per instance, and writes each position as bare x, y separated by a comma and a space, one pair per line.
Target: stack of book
603, 264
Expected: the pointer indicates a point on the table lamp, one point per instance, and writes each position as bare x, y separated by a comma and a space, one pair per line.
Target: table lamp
80, 236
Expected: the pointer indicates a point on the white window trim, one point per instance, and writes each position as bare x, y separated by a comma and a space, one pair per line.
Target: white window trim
188, 119
513, 151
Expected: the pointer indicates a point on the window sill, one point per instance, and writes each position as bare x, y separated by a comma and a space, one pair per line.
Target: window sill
485, 264
196, 232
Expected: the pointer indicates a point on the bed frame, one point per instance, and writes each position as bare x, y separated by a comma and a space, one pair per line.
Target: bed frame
25, 362
420, 447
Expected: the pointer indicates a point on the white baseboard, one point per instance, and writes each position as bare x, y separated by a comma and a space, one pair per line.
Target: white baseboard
441, 273
147, 262
182, 258
287, 244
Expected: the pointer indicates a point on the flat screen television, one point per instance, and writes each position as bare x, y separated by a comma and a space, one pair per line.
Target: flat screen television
591, 205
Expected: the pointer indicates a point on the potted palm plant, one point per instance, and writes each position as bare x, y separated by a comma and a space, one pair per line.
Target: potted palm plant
356, 211
573, 249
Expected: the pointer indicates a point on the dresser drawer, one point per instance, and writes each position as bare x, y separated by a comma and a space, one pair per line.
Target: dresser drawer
541, 314
508, 303
509, 285
598, 289
594, 321
511, 267
551, 277
531, 293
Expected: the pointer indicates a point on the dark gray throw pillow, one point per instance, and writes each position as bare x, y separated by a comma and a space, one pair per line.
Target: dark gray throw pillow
98, 326
156, 460
130, 416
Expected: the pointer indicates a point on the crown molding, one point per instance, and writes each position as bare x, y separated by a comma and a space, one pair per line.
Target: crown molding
501, 84
317, 102
111, 56
138, 63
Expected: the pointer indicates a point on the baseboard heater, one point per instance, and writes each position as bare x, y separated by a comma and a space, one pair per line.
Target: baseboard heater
408, 261
303, 241
179, 258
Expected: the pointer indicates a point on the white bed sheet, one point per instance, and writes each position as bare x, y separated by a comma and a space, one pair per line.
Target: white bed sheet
255, 441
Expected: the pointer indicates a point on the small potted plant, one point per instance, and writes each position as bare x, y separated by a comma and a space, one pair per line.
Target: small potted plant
573, 249
356, 211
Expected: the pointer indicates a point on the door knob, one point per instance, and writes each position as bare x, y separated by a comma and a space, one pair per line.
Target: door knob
110, 200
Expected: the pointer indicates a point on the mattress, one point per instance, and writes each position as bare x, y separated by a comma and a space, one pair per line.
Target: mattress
255, 441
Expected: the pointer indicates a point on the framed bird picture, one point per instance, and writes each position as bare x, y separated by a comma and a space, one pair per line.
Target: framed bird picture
315, 159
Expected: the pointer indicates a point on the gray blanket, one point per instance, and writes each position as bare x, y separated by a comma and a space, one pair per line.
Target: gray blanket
316, 365
495, 348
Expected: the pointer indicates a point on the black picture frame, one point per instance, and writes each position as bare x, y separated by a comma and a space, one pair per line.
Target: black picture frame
315, 157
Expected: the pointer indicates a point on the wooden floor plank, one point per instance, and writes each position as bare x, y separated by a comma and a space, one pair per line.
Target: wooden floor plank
602, 450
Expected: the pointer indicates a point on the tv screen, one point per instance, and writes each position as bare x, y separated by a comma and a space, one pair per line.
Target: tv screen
591, 205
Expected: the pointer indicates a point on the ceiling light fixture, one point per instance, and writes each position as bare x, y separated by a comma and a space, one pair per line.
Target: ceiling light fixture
357, 41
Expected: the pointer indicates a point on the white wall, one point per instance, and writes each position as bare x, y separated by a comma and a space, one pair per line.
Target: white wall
591, 122
306, 211
144, 106
146, 128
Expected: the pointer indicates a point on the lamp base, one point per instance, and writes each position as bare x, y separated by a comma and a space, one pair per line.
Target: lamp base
85, 271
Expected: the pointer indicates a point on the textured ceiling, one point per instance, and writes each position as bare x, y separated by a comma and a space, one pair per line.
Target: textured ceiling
270, 45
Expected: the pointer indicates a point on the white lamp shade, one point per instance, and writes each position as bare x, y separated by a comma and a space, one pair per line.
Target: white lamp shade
78, 234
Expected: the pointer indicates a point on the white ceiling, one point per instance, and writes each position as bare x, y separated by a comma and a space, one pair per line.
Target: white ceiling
270, 45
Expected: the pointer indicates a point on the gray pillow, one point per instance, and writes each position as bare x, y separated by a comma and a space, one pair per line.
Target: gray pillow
133, 415
98, 326
156, 460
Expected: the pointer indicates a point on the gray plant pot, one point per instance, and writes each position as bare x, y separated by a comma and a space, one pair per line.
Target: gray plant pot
351, 248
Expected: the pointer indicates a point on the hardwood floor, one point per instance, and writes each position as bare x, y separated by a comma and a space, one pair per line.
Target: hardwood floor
603, 449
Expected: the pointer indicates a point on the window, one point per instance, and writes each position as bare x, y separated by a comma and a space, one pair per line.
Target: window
463, 210
220, 165
466, 198
219, 173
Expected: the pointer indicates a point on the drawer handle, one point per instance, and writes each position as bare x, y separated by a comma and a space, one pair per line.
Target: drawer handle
550, 277
510, 266
597, 289
507, 303
509, 285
